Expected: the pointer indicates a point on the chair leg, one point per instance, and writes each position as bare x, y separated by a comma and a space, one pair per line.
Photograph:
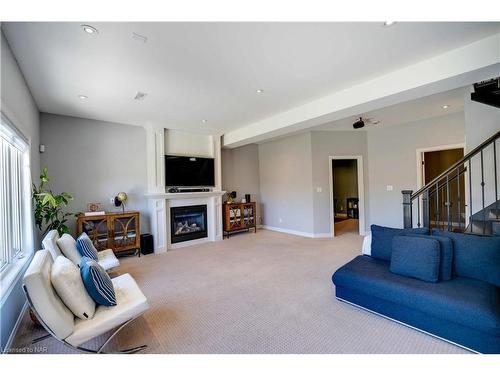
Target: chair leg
41, 338
132, 350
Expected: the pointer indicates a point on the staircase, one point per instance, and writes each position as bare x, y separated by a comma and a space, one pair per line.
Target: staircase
477, 211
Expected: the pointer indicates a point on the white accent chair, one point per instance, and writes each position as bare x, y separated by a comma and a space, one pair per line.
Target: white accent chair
106, 258
60, 322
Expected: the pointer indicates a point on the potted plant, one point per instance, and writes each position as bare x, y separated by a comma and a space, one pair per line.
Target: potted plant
49, 207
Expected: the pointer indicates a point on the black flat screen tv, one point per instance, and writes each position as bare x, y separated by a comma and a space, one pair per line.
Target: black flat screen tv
189, 171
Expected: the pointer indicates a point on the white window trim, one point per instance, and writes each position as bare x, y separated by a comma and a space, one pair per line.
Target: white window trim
10, 276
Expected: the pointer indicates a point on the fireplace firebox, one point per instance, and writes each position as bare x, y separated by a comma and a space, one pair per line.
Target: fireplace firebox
188, 223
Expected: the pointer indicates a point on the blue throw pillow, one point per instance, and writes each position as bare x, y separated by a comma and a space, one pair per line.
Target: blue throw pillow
381, 247
85, 246
97, 282
446, 251
476, 257
416, 257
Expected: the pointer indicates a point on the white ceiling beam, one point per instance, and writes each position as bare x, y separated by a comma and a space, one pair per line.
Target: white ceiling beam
453, 69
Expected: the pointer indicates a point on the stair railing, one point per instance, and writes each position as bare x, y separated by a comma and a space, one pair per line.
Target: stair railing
438, 192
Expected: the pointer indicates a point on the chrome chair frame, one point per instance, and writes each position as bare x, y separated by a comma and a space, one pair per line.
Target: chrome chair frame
79, 348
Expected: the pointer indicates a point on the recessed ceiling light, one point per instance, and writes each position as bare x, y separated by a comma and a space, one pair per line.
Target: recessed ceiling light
140, 95
389, 23
204, 121
90, 29
446, 106
260, 91
83, 97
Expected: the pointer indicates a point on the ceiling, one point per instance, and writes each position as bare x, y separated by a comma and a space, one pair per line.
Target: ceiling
211, 71
404, 113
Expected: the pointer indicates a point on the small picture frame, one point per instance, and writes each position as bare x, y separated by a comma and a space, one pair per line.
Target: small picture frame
93, 207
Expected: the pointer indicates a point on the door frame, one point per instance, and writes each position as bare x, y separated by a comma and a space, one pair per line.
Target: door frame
420, 170
361, 191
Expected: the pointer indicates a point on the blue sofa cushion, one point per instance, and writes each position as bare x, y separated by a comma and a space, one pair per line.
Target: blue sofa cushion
469, 302
381, 247
416, 257
474, 256
446, 255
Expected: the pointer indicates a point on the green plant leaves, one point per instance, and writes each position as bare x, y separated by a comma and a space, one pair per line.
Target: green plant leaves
48, 210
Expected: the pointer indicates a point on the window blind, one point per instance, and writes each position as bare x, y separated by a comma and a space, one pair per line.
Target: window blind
12, 153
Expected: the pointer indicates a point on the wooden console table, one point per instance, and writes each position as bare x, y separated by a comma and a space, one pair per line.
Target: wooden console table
238, 217
119, 231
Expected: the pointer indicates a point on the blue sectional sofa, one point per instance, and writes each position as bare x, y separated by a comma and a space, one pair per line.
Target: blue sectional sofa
462, 307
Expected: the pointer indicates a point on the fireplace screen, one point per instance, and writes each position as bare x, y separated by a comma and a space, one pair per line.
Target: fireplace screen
188, 223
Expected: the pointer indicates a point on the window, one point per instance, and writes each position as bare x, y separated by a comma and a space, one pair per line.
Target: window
16, 230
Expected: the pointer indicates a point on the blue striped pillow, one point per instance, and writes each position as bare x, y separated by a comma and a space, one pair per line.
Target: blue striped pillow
85, 246
97, 282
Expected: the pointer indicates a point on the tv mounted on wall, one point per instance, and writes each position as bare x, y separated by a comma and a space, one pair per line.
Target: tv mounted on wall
189, 171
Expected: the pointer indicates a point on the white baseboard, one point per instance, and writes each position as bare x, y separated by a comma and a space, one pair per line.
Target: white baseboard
8, 345
298, 233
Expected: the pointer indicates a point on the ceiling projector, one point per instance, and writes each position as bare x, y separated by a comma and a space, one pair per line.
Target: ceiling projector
358, 124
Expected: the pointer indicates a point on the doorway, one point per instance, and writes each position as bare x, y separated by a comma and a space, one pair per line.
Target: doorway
432, 162
346, 195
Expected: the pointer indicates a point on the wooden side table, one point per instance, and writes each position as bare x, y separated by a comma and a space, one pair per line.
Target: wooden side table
119, 231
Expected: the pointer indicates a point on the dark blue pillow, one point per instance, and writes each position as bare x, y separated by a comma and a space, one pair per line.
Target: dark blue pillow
446, 251
382, 239
97, 282
85, 247
476, 257
416, 257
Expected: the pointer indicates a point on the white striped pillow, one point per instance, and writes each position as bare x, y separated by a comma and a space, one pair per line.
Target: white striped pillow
85, 246
97, 282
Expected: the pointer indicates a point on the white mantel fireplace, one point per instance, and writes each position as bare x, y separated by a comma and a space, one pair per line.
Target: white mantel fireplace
161, 205
161, 142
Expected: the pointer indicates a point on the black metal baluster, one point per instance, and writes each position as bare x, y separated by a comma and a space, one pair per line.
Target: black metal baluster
458, 199
496, 182
448, 204
418, 211
470, 198
482, 192
437, 205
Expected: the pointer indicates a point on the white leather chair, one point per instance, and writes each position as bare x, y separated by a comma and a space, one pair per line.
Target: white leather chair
106, 258
60, 322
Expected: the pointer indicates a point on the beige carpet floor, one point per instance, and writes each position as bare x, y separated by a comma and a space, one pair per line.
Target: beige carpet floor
254, 293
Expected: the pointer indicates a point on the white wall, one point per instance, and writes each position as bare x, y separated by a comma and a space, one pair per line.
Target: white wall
286, 183
333, 143
392, 161
18, 105
188, 144
94, 160
240, 173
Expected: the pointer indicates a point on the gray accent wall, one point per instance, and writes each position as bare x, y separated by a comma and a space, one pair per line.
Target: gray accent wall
286, 183
240, 173
18, 105
324, 145
393, 161
94, 160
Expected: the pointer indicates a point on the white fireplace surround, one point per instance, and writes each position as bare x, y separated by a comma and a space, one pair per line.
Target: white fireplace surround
160, 142
160, 204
